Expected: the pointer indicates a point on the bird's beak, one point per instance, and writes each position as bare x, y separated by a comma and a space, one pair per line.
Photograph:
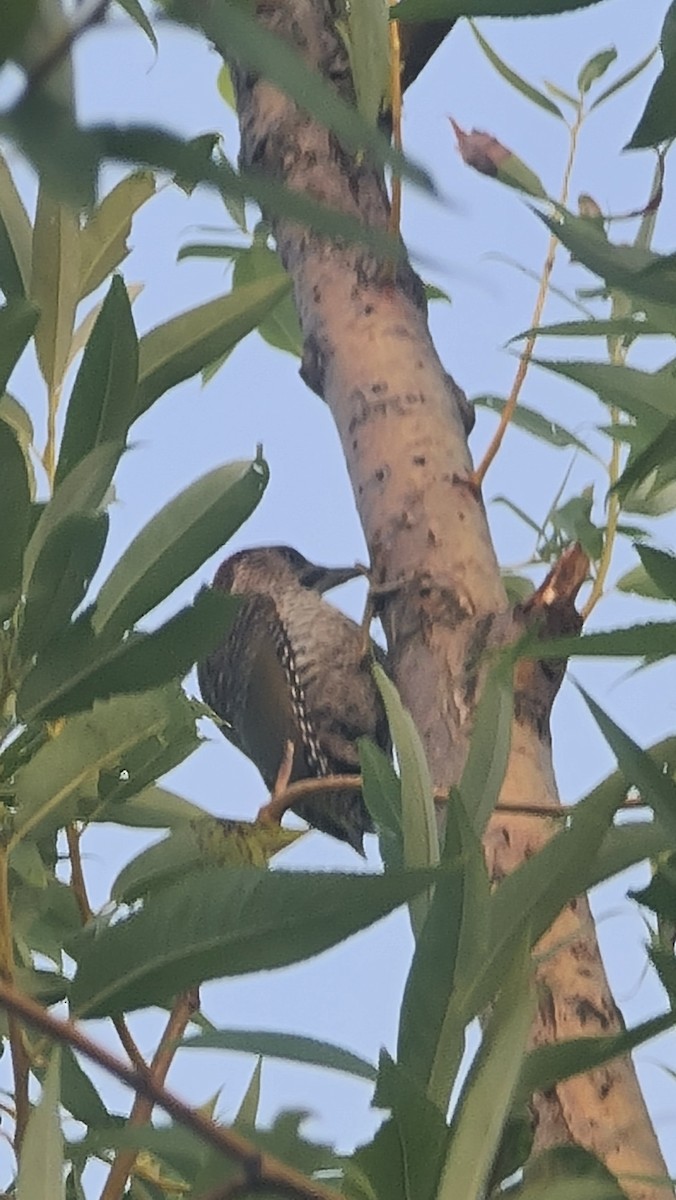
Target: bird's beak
323, 579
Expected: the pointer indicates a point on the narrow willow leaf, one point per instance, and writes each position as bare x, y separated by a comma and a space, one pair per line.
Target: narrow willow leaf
489, 746
657, 123
365, 31
104, 238
78, 668
511, 77
661, 568
638, 582
177, 541
18, 319
15, 505
623, 80
534, 423
134, 9
181, 347
420, 840
79, 1095
247, 1114
288, 1046
281, 328
54, 284
420, 1124
595, 68
228, 922
657, 789
661, 452
151, 808
623, 327
486, 1099
60, 579
443, 10
65, 772
381, 788
454, 938
546, 1066
41, 1169
640, 393
16, 236
82, 491
102, 403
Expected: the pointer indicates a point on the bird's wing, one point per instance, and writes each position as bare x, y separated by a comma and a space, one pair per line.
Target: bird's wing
246, 684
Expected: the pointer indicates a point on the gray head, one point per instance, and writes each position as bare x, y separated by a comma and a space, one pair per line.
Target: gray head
263, 568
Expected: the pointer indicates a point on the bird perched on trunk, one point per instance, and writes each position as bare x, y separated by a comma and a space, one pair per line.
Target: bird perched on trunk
294, 669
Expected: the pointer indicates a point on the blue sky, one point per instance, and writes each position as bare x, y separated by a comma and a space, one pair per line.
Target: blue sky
351, 996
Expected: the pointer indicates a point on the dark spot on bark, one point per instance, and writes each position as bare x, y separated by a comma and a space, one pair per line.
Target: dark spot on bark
355, 444
419, 460
317, 294
506, 836
605, 1089
380, 474
380, 387
586, 1011
368, 309
431, 537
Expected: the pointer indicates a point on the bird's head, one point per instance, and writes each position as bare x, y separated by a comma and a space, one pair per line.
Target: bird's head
263, 568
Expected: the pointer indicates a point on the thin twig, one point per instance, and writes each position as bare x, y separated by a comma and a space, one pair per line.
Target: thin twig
275, 809
79, 890
479, 474
276, 1175
395, 110
183, 1008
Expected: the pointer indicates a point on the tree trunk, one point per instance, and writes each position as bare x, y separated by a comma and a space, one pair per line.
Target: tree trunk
402, 422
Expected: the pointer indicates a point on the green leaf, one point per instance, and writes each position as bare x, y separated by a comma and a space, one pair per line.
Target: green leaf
103, 240
382, 795
41, 1169
281, 328
420, 839
658, 121
54, 284
624, 79
364, 29
657, 789
641, 468
638, 582
642, 394
655, 639
228, 922
574, 521
60, 579
534, 423
79, 1095
546, 1066
624, 327
511, 77
288, 1046
82, 491
661, 567
65, 772
486, 1099
151, 808
80, 668
595, 68
420, 1125
489, 746
18, 319
177, 541
15, 505
181, 347
102, 403
134, 10
445, 10
16, 236
453, 939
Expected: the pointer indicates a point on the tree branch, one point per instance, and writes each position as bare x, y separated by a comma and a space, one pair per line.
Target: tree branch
270, 1170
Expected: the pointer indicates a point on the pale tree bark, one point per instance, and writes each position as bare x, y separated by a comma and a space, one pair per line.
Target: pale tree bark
403, 426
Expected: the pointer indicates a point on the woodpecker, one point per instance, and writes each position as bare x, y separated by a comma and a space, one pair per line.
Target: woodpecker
294, 668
